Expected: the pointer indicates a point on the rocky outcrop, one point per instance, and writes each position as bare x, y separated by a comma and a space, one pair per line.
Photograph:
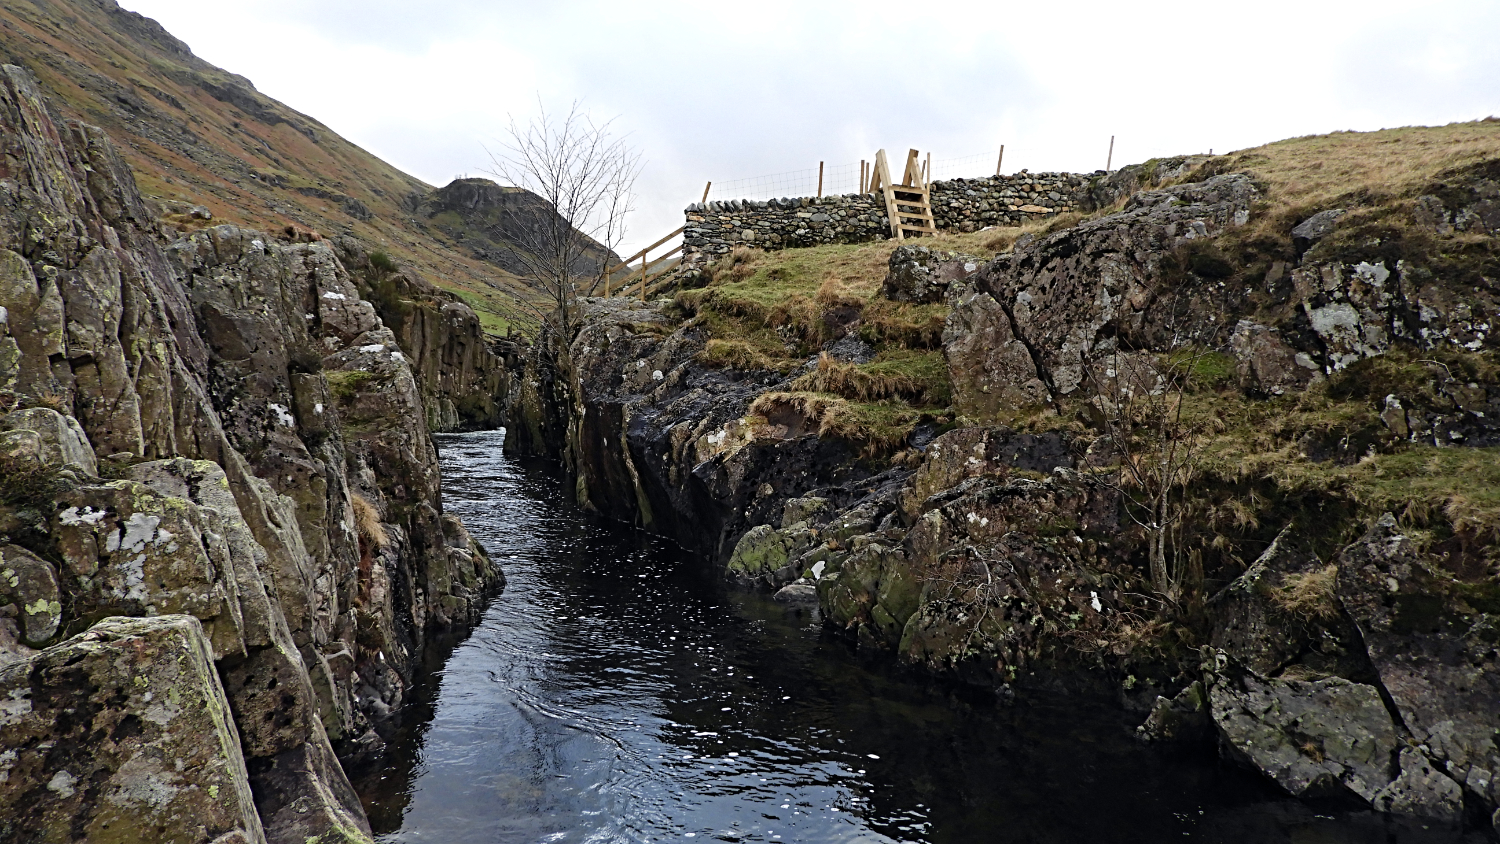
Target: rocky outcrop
1026, 328
1010, 554
218, 428
498, 224
464, 375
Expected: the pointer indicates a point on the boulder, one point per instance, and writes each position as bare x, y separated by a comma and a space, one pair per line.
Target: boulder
919, 274
767, 554
123, 733
29, 583
970, 452
1315, 228
1282, 612
1318, 738
797, 593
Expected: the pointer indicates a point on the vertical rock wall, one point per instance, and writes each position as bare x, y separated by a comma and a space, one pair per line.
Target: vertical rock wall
220, 428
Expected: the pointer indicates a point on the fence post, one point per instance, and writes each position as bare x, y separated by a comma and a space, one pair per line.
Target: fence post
705, 192
927, 169
645, 262
1001, 160
820, 180
1109, 162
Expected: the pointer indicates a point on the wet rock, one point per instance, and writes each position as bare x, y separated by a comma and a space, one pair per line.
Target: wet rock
1183, 719
797, 593
123, 733
919, 274
808, 510
767, 554
1318, 738
1422, 791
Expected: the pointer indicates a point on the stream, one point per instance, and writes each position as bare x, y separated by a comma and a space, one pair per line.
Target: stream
616, 692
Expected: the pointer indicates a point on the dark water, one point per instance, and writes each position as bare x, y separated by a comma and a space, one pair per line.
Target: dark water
615, 693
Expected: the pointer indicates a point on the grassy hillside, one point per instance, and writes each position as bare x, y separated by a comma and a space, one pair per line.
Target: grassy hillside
1266, 457
199, 135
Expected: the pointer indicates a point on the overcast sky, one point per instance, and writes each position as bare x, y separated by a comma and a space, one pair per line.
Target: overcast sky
731, 91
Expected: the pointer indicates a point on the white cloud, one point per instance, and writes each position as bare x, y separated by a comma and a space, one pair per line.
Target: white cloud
727, 91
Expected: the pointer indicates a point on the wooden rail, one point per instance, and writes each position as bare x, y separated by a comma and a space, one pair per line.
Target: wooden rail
645, 262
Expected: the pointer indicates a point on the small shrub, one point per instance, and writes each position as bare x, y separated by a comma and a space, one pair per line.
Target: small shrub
381, 262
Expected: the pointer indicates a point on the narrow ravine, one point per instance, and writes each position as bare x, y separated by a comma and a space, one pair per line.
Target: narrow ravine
615, 693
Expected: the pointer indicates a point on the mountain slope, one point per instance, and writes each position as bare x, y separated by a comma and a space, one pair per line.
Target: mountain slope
198, 135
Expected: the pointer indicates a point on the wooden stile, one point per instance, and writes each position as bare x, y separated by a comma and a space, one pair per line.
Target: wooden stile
914, 192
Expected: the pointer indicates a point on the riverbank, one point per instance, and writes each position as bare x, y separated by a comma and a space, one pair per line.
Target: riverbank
618, 691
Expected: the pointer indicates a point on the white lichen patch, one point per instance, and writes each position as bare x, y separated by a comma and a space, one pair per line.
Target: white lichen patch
86, 516
372, 348
62, 784
283, 414
143, 781
334, 295
137, 531
14, 707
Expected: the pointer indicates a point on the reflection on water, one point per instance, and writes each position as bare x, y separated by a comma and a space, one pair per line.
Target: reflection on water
615, 694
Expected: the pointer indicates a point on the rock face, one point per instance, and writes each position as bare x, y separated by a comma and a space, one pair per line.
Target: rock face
1022, 332
218, 428
123, 733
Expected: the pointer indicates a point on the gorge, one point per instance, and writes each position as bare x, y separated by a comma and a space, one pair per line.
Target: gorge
832, 542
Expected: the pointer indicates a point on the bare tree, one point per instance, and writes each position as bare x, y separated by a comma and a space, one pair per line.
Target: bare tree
584, 176
1139, 399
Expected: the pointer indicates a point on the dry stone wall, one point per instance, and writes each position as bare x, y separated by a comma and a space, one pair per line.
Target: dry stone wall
957, 204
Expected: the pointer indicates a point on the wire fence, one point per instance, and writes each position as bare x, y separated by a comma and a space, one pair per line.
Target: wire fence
838, 179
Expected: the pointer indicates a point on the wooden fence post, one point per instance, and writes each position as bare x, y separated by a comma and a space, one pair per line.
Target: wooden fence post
645, 263
705, 192
1109, 162
1001, 160
927, 170
820, 180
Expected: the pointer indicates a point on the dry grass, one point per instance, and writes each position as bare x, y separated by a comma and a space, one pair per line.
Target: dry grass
367, 522
876, 429
1320, 171
852, 381
1309, 595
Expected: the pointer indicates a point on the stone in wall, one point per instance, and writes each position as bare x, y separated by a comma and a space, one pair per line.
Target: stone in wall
714, 228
